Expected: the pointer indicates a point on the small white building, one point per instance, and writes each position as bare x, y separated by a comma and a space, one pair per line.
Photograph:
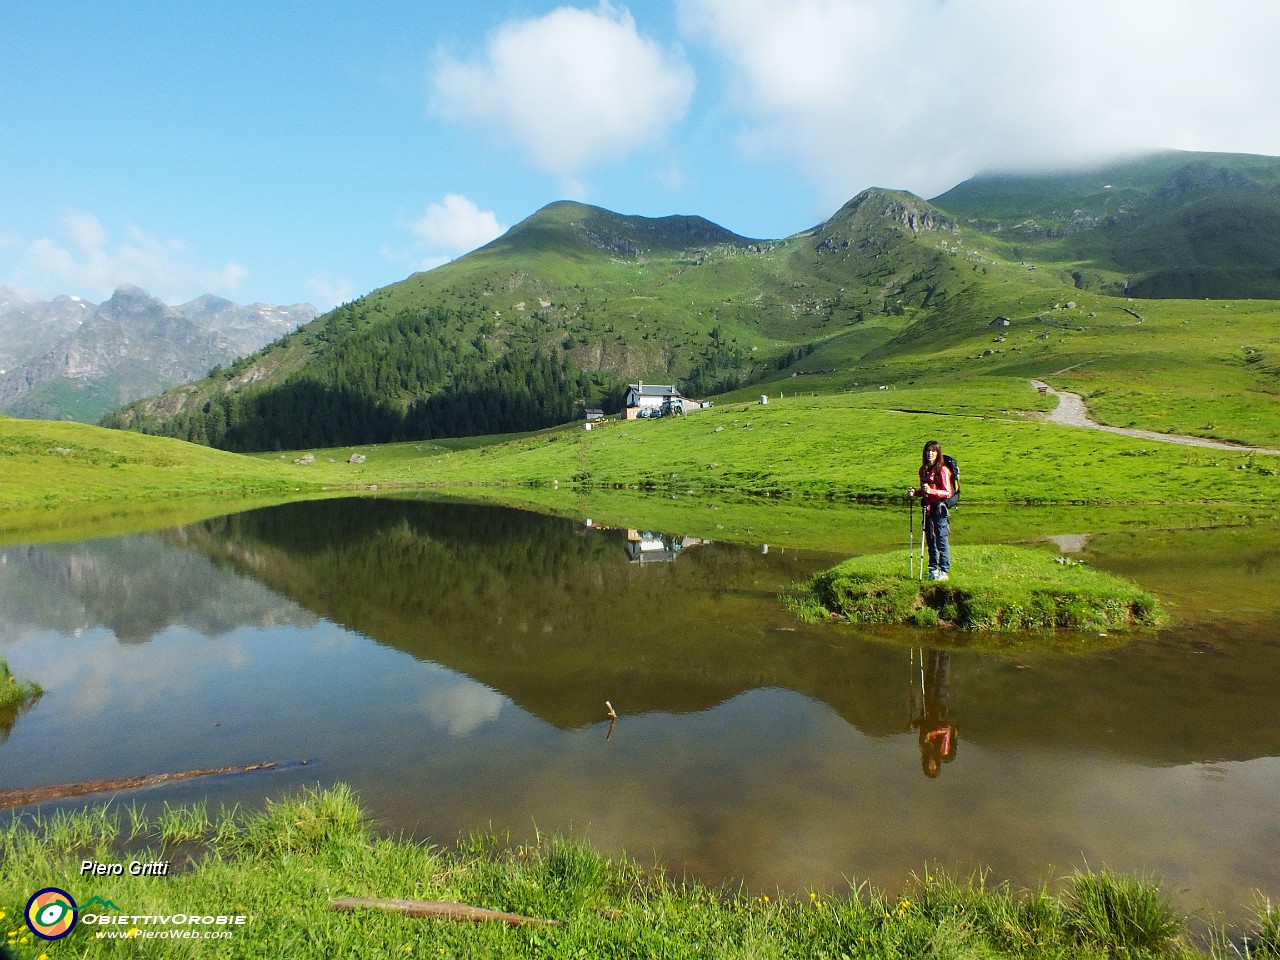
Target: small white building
656, 400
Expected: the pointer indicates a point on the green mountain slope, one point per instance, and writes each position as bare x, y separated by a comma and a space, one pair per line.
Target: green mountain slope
1001, 277
560, 313
1169, 225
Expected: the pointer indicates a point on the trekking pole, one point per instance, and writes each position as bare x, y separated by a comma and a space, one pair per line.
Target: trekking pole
923, 514
911, 537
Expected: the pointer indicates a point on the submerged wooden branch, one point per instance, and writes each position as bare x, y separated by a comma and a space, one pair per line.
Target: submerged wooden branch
23, 796
436, 908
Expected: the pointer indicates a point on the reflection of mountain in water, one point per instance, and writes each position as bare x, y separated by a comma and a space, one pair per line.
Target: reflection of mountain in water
551, 613
557, 618
9, 717
134, 586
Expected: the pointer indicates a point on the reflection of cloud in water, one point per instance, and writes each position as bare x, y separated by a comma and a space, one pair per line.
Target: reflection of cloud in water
778, 790
463, 706
101, 674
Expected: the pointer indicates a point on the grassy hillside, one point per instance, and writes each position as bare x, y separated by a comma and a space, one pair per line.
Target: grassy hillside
73, 477
858, 446
594, 299
1202, 368
1169, 225
861, 445
576, 301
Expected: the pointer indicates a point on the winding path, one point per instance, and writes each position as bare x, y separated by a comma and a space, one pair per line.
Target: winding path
1071, 412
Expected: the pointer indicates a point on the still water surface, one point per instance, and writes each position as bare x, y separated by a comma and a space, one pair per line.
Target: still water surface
452, 663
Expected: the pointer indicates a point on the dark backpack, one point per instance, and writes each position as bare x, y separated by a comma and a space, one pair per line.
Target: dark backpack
954, 467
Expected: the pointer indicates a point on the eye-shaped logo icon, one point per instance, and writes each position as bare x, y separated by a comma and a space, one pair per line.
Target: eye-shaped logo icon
51, 913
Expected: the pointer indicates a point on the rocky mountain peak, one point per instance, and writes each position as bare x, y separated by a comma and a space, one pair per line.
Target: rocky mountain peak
71, 358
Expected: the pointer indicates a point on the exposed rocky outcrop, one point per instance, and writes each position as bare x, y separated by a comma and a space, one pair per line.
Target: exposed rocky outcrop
128, 347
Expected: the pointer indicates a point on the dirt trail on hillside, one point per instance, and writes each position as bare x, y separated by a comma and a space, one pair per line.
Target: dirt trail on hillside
1071, 412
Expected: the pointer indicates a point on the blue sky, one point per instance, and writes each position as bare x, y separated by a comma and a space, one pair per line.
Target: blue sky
282, 151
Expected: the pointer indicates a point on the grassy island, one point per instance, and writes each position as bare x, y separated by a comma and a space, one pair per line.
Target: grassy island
283, 869
15, 693
990, 588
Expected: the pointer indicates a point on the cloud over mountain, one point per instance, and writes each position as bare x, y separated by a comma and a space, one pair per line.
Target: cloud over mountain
88, 260
457, 224
922, 93
572, 87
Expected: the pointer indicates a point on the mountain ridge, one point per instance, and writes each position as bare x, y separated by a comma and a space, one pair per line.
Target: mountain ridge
1173, 224
127, 347
595, 299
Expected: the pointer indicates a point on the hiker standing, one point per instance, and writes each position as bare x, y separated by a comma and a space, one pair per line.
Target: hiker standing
937, 487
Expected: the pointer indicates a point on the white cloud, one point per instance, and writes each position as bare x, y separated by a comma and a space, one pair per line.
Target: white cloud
573, 88
923, 93
86, 261
456, 223
447, 228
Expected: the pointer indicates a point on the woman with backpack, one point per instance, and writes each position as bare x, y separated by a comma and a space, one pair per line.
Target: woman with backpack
937, 490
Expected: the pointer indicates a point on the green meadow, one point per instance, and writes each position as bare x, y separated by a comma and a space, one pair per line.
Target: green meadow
1205, 368
806, 449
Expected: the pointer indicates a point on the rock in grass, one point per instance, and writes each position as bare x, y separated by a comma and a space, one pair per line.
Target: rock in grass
991, 588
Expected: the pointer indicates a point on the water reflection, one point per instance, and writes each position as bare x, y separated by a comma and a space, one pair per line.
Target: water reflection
455, 662
931, 709
647, 546
9, 716
135, 586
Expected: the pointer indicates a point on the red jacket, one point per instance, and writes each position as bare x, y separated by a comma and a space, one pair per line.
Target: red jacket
936, 483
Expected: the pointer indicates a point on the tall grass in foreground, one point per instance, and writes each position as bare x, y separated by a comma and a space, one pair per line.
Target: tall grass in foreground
284, 866
1125, 915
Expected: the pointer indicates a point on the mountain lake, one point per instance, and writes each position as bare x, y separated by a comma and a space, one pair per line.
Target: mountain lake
452, 662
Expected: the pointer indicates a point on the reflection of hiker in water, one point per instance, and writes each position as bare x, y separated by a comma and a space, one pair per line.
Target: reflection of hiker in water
939, 737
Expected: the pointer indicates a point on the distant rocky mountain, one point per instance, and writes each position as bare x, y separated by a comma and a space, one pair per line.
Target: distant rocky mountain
30, 328
69, 359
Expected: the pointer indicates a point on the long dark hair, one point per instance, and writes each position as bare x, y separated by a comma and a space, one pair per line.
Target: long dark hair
924, 454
